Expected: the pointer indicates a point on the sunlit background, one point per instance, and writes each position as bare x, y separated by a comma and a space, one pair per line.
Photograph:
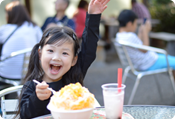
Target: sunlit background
41, 9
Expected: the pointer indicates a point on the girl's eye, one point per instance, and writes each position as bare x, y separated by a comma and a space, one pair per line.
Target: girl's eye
50, 50
65, 53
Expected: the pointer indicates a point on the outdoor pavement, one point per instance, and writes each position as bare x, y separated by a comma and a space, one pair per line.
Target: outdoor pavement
104, 70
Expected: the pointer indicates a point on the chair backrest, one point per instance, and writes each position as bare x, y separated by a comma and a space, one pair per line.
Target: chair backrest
25, 66
125, 45
124, 56
9, 106
121, 54
26, 53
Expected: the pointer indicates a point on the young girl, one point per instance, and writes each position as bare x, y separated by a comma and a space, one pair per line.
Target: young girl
57, 61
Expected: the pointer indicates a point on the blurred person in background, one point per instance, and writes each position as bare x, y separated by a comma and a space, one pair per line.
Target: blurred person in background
80, 17
60, 19
140, 10
141, 59
20, 32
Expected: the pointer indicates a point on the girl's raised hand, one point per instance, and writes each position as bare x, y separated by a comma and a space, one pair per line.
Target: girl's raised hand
42, 92
97, 6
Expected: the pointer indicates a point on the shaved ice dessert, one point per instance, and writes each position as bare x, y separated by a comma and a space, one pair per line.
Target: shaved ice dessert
73, 97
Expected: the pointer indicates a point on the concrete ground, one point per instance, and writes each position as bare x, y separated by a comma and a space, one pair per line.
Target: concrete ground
152, 90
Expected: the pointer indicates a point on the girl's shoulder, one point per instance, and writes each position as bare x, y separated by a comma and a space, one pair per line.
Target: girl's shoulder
29, 85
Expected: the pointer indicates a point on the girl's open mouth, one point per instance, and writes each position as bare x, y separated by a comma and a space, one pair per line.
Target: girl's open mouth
55, 68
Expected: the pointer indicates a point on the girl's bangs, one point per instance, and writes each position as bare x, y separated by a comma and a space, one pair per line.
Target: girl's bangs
59, 39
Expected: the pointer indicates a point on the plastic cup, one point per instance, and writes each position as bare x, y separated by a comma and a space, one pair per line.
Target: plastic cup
113, 100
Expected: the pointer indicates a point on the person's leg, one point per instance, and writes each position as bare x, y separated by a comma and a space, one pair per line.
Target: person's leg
162, 63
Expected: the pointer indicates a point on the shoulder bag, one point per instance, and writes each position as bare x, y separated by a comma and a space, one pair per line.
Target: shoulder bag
1, 45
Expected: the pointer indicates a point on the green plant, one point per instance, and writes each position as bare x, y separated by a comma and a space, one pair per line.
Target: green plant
163, 1
166, 14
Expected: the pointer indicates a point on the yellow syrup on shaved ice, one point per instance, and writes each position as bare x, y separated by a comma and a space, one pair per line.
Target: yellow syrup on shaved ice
73, 97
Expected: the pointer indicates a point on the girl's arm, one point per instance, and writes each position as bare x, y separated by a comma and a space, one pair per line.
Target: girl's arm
89, 42
30, 105
91, 34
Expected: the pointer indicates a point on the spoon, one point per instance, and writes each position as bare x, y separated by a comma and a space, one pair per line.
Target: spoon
53, 91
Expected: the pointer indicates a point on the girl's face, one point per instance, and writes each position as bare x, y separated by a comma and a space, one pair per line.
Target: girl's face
56, 60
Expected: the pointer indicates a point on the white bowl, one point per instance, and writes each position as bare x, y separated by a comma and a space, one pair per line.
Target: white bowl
72, 114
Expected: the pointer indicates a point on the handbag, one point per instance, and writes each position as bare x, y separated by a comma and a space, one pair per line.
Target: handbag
1, 45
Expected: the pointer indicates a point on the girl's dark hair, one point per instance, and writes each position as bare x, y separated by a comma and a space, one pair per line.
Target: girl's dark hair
83, 4
126, 16
17, 13
53, 35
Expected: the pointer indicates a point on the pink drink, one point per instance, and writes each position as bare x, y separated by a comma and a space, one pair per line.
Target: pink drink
113, 100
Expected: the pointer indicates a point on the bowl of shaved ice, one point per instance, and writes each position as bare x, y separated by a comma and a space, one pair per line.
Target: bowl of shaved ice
72, 102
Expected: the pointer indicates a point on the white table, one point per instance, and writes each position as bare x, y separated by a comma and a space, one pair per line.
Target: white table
136, 111
169, 37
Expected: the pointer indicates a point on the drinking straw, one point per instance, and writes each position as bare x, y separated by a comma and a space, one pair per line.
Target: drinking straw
119, 79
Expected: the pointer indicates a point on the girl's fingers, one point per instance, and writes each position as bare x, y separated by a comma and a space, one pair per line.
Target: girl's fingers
42, 92
102, 1
42, 85
39, 90
104, 8
43, 82
105, 2
92, 1
43, 96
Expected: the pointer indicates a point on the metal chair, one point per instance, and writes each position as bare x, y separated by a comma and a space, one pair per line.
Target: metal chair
26, 53
120, 47
9, 106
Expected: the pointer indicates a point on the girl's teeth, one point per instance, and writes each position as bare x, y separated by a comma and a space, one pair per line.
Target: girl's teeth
56, 65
